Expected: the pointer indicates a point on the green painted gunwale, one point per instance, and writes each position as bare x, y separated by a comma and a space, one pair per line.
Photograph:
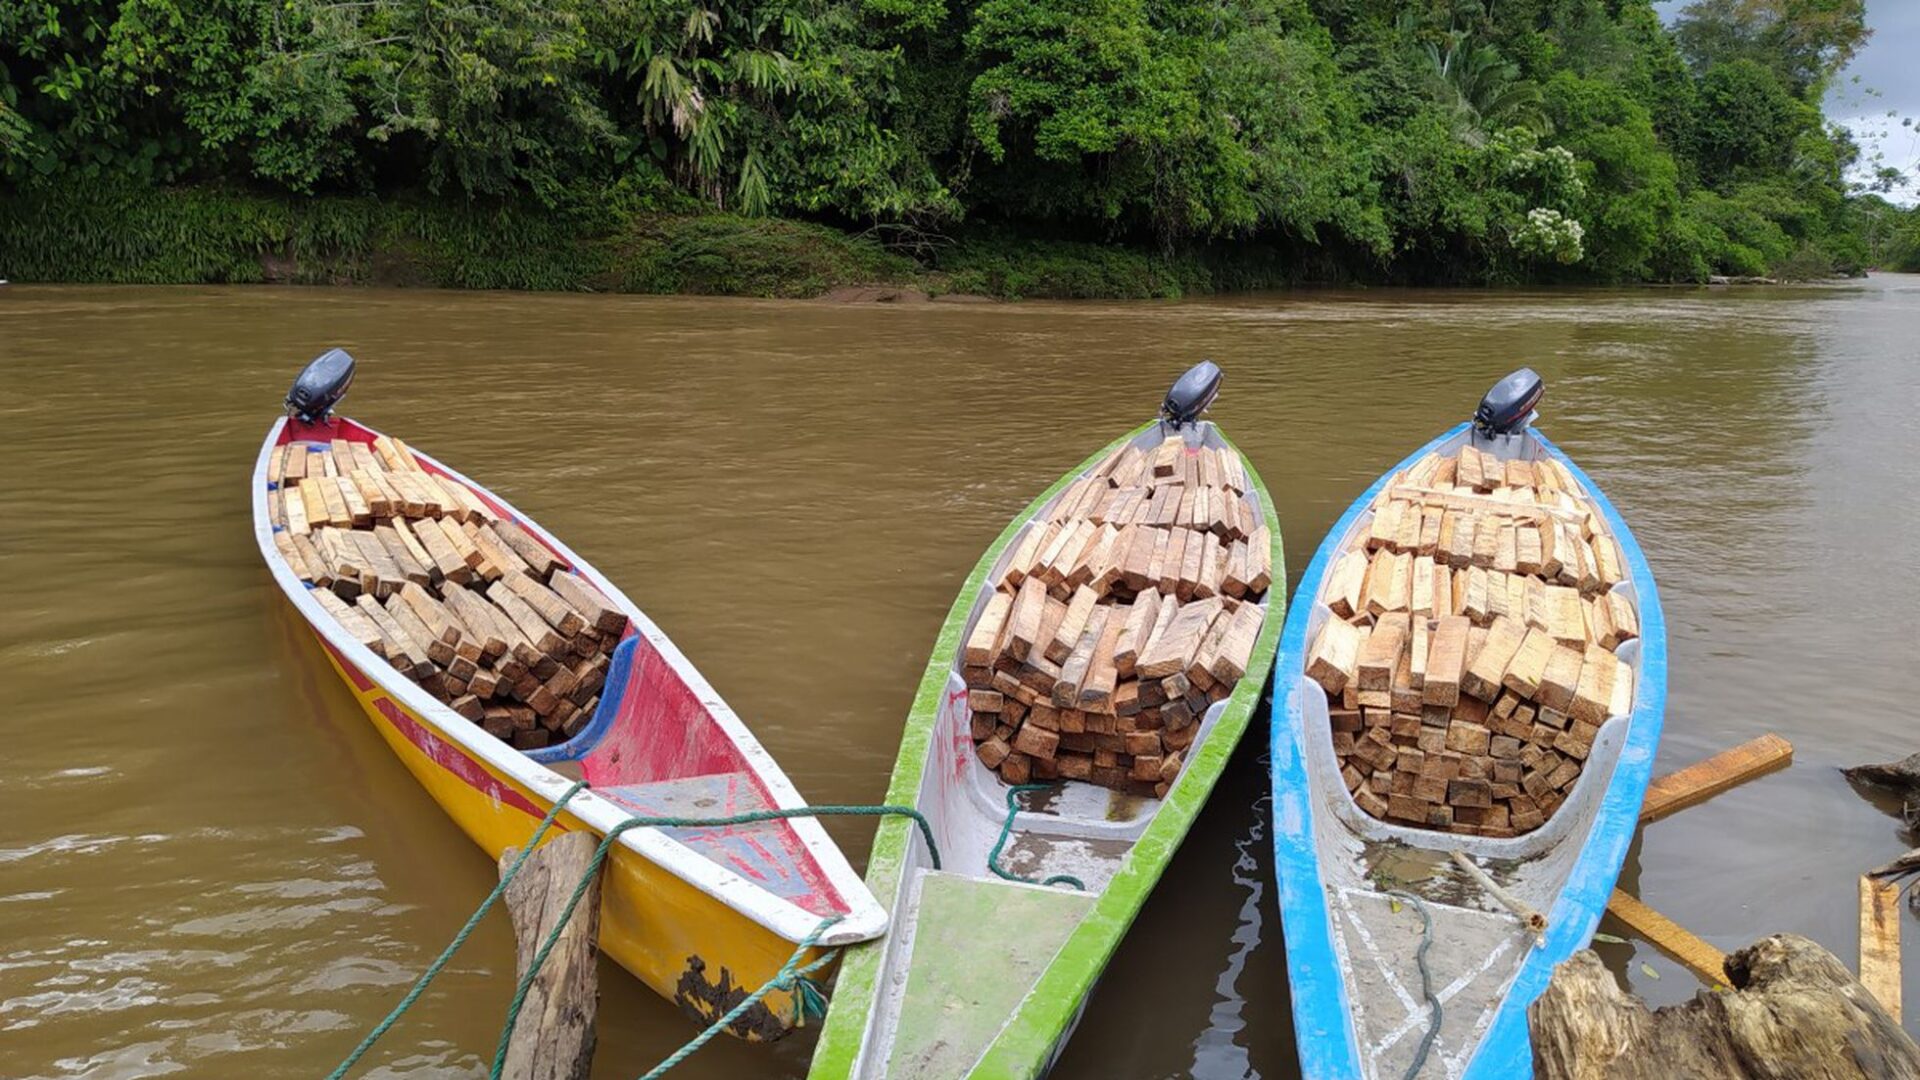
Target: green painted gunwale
1026, 1045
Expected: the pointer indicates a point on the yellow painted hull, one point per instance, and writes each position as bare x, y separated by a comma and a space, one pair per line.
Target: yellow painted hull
688, 946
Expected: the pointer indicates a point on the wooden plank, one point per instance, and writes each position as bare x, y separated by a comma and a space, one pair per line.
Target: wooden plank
1103, 675
546, 603
1173, 649
407, 654
986, 630
1023, 619
1670, 938
438, 649
350, 620
446, 558
543, 636
1344, 584
589, 601
1880, 942
1529, 664
1236, 646
543, 561
1335, 657
482, 620
1703, 780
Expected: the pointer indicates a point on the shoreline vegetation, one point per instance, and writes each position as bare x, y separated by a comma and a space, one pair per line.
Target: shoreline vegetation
996, 148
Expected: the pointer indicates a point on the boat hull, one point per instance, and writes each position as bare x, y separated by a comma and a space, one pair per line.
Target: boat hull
936, 744
701, 915
1320, 968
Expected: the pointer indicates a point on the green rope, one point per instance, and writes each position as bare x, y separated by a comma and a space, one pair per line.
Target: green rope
810, 1000
1006, 830
600, 855
459, 939
786, 978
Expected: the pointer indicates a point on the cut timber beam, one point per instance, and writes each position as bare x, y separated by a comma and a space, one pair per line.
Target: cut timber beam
1671, 938
1880, 942
1704, 779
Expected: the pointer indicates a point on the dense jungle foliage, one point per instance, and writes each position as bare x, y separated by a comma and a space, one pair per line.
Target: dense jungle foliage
1092, 147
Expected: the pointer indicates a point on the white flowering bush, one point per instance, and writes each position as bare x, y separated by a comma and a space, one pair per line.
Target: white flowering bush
1549, 234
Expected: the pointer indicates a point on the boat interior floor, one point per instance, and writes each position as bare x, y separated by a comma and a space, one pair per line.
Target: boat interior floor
952, 1005
766, 853
1474, 955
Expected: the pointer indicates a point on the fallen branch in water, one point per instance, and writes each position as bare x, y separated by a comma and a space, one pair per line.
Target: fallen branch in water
1794, 1011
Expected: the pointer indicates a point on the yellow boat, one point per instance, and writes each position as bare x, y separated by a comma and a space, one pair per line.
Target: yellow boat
702, 915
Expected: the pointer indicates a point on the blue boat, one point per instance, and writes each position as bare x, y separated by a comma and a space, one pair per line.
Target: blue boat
1413, 949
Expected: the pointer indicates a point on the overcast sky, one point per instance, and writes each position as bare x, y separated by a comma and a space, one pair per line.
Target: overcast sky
1883, 78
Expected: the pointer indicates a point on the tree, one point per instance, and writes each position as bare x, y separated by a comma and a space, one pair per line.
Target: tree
1804, 42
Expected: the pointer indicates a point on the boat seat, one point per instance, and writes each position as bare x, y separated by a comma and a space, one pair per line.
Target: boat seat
953, 1005
767, 853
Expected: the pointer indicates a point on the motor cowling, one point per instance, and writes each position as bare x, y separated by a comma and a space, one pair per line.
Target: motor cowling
321, 385
1509, 407
1192, 393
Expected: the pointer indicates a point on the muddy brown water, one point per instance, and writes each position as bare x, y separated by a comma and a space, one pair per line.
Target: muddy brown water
210, 865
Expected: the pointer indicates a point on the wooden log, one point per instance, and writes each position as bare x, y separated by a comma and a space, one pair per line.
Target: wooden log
554, 1036
1794, 1011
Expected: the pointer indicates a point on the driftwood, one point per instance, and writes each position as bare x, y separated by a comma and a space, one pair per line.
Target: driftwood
553, 1039
1795, 1012
1902, 776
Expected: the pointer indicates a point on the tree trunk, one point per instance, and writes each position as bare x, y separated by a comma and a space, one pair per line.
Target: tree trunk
554, 1037
1795, 1012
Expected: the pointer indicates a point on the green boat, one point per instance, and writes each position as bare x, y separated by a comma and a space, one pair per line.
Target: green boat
998, 937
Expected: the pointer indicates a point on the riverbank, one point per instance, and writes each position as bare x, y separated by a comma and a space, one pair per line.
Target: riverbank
207, 236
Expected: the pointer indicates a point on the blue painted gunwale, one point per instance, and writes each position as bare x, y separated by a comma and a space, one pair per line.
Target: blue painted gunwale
1327, 1046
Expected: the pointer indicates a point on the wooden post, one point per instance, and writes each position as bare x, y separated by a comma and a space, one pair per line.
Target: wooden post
1880, 942
553, 1039
1795, 1011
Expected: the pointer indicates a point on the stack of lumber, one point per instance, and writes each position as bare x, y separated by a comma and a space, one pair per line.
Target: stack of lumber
1119, 616
419, 569
1469, 660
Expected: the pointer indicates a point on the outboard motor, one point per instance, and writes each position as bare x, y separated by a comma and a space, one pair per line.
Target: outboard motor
1509, 407
320, 386
1192, 394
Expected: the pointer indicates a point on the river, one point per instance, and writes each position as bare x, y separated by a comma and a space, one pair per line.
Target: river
210, 864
